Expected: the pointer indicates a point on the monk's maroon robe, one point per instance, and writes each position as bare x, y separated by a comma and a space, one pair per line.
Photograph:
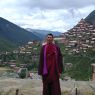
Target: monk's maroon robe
54, 66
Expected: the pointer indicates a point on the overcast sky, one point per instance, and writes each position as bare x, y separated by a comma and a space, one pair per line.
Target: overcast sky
57, 15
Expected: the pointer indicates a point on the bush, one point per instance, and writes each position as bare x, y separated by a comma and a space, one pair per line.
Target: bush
23, 73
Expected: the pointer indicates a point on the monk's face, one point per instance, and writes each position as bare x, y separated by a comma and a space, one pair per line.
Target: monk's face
49, 39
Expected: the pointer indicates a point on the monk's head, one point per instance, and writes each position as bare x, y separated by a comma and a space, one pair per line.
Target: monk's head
50, 38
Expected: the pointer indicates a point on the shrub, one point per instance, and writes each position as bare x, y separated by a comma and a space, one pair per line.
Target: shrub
23, 73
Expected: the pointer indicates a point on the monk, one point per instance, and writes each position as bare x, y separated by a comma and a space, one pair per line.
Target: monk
50, 67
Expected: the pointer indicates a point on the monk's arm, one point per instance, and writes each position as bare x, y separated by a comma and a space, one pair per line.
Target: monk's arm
40, 66
60, 61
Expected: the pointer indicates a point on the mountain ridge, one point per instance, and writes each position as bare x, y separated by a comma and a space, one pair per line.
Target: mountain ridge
43, 33
14, 35
91, 18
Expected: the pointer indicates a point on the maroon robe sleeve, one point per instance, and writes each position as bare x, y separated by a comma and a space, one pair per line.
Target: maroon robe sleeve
60, 60
41, 61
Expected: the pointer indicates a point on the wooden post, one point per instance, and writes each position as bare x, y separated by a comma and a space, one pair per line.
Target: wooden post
76, 91
17, 91
93, 71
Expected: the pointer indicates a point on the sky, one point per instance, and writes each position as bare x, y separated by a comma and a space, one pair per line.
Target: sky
55, 15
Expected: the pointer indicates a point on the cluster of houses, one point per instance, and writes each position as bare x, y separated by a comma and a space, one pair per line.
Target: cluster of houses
80, 38
28, 48
31, 48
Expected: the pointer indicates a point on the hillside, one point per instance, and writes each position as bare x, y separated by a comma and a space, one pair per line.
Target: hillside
6, 45
91, 18
12, 35
80, 48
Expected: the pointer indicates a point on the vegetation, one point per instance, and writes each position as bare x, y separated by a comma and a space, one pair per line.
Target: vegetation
81, 69
23, 73
6, 45
30, 60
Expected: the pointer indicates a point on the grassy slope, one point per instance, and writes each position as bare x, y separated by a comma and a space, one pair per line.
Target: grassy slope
6, 45
81, 64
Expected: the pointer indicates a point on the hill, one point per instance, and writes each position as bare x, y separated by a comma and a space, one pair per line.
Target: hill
91, 18
12, 35
80, 48
6, 45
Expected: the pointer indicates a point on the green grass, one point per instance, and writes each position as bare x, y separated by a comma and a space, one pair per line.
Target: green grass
81, 69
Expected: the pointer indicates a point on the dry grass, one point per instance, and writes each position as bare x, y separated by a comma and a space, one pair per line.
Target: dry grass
34, 87
4, 69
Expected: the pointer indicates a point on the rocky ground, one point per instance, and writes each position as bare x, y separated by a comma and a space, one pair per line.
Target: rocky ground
8, 86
